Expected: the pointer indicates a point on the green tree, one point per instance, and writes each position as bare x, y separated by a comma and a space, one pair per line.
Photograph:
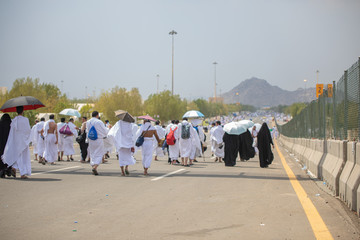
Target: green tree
167, 106
119, 98
295, 109
49, 94
86, 110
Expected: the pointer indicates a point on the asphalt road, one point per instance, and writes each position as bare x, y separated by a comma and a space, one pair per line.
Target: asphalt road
205, 201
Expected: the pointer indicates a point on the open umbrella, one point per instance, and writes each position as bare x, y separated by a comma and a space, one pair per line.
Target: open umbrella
28, 102
193, 114
147, 117
70, 112
125, 116
237, 128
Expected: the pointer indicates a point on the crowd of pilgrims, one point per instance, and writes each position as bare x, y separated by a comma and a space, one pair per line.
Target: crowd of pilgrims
181, 140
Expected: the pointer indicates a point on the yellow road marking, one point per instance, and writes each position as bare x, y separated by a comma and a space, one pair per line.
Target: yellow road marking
317, 223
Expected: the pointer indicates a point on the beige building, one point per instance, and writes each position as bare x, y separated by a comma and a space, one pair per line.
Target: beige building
3, 90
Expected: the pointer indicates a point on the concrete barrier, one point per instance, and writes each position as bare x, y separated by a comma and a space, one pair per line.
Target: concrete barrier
358, 202
316, 156
299, 148
309, 149
333, 164
352, 184
349, 165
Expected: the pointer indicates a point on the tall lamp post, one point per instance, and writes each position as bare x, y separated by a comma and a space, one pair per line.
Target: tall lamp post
317, 76
157, 83
305, 90
215, 63
172, 33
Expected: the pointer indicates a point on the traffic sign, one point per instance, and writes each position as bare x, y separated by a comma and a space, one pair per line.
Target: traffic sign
330, 90
319, 89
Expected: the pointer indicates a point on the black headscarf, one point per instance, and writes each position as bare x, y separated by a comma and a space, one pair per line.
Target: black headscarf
5, 122
263, 141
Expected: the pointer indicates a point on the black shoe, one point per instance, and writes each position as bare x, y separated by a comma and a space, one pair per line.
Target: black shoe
2, 173
71, 159
195, 161
177, 161
8, 172
58, 159
95, 172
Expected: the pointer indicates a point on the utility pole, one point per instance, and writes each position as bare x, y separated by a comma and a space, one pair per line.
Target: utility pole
305, 90
172, 33
157, 83
215, 63
317, 76
62, 86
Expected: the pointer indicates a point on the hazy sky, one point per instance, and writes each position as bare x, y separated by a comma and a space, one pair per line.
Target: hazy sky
100, 44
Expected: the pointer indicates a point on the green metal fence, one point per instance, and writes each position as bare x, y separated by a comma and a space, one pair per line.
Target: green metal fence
335, 117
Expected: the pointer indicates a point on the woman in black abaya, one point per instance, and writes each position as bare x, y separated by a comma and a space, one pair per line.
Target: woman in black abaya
231, 149
5, 122
264, 140
246, 149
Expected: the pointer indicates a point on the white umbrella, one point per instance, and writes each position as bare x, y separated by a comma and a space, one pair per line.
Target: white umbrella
237, 128
193, 114
70, 112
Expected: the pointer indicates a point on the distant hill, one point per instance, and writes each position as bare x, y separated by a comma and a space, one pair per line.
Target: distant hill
259, 93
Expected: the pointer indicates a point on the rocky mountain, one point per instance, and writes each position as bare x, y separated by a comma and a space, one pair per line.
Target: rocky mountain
260, 93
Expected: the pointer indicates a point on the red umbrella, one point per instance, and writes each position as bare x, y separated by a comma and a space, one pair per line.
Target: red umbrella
147, 117
28, 102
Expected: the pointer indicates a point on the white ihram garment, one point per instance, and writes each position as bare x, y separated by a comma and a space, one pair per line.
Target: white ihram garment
218, 140
96, 147
186, 144
121, 135
40, 142
60, 137
161, 134
50, 153
33, 138
148, 145
174, 150
68, 141
16, 152
196, 150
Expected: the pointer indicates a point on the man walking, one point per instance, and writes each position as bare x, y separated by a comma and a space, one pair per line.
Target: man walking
40, 141
96, 132
17, 153
50, 134
186, 140
158, 147
217, 138
60, 125
83, 144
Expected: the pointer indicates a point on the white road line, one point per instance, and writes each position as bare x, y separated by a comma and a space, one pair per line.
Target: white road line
168, 174
55, 170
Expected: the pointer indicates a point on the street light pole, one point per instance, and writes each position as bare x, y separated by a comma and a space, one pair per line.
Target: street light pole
157, 83
317, 76
305, 90
215, 80
172, 33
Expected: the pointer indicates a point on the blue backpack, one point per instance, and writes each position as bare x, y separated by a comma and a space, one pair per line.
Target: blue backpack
92, 134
